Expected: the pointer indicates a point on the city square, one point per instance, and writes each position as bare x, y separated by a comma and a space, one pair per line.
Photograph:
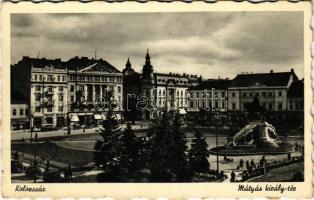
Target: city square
83, 119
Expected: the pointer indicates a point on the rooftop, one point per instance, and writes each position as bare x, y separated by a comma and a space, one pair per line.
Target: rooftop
263, 79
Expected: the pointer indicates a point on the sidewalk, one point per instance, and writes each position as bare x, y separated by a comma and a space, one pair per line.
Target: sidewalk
46, 134
26, 134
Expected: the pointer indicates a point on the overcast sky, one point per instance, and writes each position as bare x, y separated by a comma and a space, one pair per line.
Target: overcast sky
210, 44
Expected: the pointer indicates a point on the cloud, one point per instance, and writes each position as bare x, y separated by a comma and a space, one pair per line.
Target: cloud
207, 43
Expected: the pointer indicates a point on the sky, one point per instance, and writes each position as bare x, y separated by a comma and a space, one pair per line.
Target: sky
211, 44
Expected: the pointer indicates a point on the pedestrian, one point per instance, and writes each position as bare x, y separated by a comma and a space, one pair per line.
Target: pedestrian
252, 163
289, 156
232, 179
47, 166
70, 171
247, 165
241, 163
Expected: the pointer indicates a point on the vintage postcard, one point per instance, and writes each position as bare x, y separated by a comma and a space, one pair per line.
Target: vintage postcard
155, 100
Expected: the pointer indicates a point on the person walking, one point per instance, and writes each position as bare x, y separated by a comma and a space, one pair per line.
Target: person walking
241, 163
232, 179
247, 165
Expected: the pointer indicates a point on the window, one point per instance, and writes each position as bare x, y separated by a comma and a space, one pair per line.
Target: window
14, 112
37, 97
119, 89
164, 92
60, 98
49, 88
40, 77
49, 109
37, 88
37, 109
60, 108
49, 99
35, 77
244, 94
279, 106
233, 94
49, 78
280, 94
263, 94
26, 111
270, 106
21, 111
72, 98
222, 94
251, 94
257, 94
72, 88
233, 106
216, 104
64, 78
270, 94
60, 88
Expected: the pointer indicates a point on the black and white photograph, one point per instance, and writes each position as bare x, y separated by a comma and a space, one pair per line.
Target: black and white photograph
157, 97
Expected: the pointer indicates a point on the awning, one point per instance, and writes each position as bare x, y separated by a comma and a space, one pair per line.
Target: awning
97, 116
74, 118
182, 111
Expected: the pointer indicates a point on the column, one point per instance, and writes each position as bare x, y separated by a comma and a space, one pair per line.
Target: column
85, 92
100, 93
93, 93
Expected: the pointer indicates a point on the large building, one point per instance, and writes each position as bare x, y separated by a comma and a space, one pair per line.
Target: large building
270, 88
57, 92
157, 92
209, 95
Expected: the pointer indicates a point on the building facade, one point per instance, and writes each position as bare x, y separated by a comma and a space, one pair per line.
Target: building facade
56, 92
19, 116
270, 88
209, 95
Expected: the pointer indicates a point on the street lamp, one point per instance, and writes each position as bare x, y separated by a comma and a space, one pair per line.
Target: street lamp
217, 160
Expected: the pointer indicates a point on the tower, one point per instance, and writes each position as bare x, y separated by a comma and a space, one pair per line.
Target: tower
128, 69
148, 87
148, 71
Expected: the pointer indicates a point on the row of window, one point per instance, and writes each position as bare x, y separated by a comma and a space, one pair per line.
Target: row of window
209, 105
38, 88
49, 78
257, 94
49, 109
81, 88
208, 94
269, 106
22, 111
95, 78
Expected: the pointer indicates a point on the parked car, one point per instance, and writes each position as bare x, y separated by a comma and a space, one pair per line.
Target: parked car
47, 127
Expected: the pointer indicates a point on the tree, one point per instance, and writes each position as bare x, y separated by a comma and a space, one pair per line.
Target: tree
168, 159
129, 162
107, 150
198, 154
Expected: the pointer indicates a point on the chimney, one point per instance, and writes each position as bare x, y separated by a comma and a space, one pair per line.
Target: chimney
292, 70
271, 71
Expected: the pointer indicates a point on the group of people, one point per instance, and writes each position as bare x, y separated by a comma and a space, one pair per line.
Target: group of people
250, 166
